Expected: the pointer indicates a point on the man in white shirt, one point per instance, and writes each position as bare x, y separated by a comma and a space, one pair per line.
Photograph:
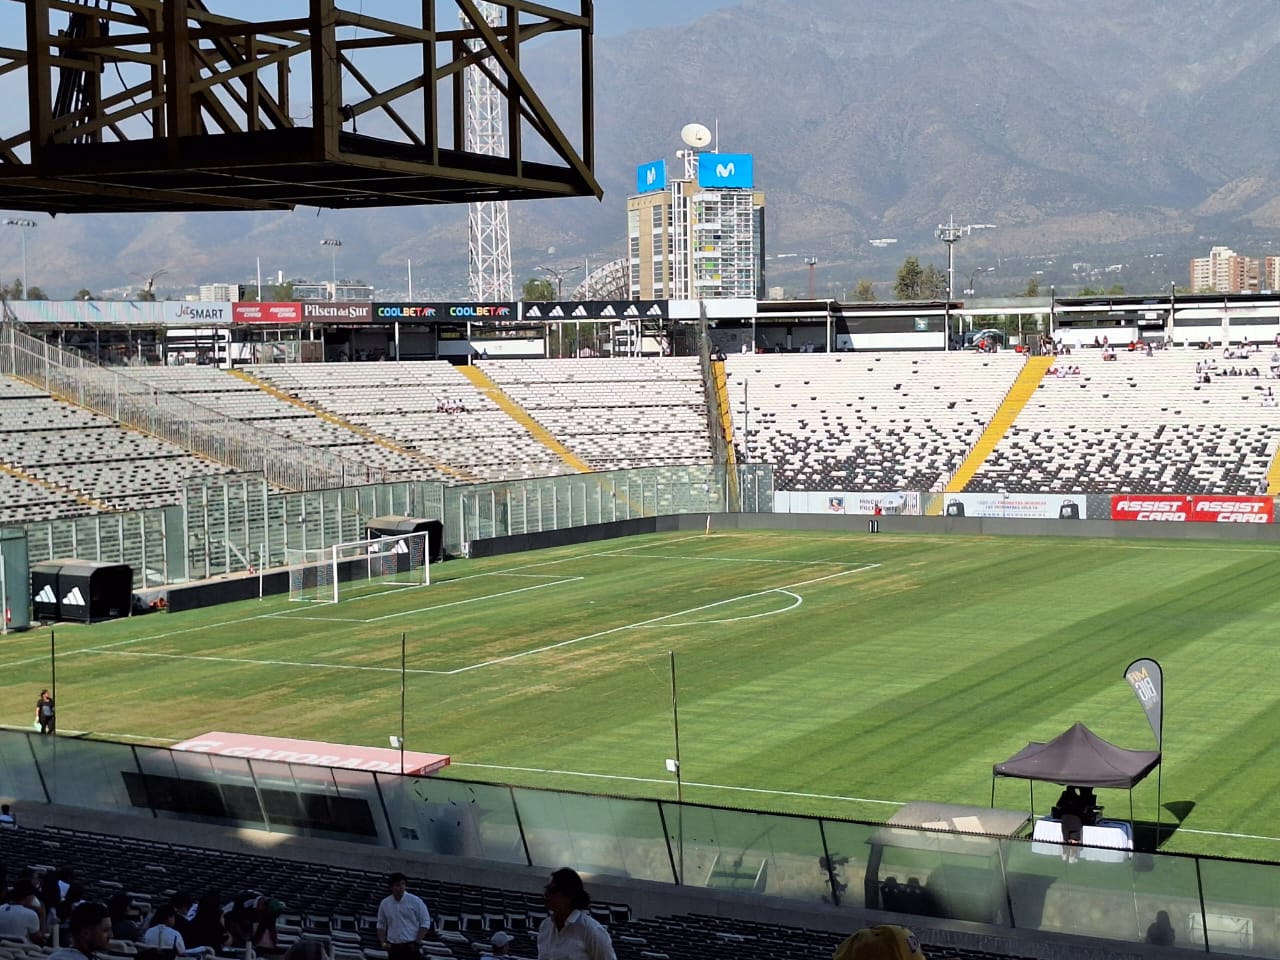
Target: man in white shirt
403, 921
19, 922
569, 932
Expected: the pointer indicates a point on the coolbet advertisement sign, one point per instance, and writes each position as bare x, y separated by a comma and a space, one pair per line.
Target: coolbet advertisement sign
436, 312
1180, 509
272, 313
651, 176
725, 170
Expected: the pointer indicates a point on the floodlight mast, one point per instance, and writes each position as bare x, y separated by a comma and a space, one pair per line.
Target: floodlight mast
949, 233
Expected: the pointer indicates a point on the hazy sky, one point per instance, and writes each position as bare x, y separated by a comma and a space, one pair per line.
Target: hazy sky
619, 16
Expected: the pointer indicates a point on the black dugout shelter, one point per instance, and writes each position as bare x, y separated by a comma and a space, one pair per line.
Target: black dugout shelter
80, 590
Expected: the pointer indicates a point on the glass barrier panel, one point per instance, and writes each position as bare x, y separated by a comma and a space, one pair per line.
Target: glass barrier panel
86, 773
304, 800
1166, 893
598, 835
195, 786
452, 818
1087, 891
935, 874
748, 852
19, 776
1241, 909
856, 877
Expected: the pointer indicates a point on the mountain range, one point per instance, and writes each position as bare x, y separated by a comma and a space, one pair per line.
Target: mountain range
1084, 130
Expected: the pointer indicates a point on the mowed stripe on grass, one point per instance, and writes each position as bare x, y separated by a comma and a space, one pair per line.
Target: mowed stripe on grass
809, 665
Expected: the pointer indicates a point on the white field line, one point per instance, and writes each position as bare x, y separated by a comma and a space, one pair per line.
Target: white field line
487, 596
687, 783
654, 620
670, 556
754, 616
498, 660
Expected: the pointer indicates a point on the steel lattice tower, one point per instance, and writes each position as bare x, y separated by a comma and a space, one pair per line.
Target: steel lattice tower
488, 230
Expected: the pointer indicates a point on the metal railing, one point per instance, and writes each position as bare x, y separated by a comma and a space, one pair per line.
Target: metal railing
133, 402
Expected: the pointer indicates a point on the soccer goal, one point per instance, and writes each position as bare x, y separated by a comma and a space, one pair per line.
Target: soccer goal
325, 574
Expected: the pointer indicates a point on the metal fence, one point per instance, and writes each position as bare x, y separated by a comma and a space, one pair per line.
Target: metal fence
232, 523
133, 402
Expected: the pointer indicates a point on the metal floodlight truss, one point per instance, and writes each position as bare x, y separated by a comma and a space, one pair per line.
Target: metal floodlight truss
157, 105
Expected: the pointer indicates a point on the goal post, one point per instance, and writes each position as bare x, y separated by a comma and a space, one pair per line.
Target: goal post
326, 574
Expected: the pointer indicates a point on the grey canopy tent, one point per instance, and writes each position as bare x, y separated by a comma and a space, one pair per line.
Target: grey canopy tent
1079, 756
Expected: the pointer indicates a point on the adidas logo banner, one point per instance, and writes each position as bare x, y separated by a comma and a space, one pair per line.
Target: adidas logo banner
74, 599
46, 595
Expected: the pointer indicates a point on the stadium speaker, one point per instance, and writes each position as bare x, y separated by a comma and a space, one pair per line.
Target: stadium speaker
1070, 510
955, 509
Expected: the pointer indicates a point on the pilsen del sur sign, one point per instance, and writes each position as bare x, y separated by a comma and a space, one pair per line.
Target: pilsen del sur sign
442, 312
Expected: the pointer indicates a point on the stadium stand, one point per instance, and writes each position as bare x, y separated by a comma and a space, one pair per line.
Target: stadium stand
427, 406
615, 413
890, 421
82, 463
243, 400
335, 903
1139, 424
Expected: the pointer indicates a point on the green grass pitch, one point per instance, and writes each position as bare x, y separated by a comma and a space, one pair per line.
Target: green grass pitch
837, 674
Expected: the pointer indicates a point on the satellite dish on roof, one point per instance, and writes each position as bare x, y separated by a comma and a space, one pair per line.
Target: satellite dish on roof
695, 135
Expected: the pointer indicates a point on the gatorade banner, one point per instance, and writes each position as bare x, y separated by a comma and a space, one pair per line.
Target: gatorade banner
1147, 680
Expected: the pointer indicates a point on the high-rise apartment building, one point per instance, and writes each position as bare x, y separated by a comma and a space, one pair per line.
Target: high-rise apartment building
696, 236
1224, 271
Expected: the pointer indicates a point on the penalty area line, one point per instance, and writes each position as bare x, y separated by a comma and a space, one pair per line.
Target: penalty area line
653, 620
687, 783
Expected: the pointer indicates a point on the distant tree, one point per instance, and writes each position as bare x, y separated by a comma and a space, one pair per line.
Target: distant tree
907, 284
1115, 290
145, 295
84, 294
1033, 288
280, 293
536, 288
35, 293
864, 292
933, 284
11, 291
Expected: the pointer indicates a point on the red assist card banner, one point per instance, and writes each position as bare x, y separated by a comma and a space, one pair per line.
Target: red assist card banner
1179, 509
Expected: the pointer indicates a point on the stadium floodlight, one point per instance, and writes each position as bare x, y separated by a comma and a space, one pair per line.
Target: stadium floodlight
950, 233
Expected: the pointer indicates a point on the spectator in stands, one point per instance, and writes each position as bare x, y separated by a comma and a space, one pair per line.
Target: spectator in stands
90, 932
1160, 933
251, 919
163, 935
123, 926
7, 819
206, 928
885, 942
184, 908
403, 921
45, 712
17, 920
500, 945
569, 932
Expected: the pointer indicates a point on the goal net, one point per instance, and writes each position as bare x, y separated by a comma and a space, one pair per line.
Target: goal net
360, 567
